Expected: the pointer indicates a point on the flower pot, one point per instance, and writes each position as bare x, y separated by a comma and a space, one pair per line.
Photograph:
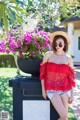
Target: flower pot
30, 66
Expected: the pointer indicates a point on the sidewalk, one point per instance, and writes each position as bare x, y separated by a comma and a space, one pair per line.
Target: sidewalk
76, 103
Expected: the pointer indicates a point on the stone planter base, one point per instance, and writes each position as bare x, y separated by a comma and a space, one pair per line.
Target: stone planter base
30, 66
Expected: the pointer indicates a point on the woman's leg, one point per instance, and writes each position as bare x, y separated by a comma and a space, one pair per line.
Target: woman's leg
58, 105
65, 102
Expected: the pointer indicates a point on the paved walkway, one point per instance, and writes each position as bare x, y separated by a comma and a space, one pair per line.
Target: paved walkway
76, 103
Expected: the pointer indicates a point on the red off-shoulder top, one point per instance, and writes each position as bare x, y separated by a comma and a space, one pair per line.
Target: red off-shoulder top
57, 76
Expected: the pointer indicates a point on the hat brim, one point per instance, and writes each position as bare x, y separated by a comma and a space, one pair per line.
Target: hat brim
64, 34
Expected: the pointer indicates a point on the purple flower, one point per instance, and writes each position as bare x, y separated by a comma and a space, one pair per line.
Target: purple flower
2, 46
20, 54
29, 45
31, 54
27, 38
36, 43
23, 50
7, 51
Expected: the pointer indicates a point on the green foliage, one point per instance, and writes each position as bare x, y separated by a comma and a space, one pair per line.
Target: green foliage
66, 11
6, 100
49, 11
71, 116
5, 96
7, 60
72, 56
11, 11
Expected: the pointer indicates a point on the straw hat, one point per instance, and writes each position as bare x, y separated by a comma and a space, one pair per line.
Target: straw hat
64, 34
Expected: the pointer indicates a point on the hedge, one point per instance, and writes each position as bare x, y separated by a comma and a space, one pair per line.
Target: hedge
7, 60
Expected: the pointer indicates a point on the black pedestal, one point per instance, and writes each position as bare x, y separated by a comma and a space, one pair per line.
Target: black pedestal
27, 88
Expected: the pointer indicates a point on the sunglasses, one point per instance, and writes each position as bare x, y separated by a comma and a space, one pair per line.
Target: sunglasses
60, 44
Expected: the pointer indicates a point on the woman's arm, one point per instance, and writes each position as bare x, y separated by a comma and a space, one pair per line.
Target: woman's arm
43, 89
70, 62
45, 59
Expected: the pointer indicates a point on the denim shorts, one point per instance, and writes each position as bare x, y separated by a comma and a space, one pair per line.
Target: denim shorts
50, 93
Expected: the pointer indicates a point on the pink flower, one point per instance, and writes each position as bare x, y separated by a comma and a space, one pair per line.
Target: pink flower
2, 46
28, 45
23, 50
32, 54
36, 43
27, 38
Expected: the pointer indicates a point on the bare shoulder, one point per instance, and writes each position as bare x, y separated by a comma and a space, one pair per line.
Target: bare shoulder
47, 56
69, 57
70, 61
48, 53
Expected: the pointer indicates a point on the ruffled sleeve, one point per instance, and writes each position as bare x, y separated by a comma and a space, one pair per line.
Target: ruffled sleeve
42, 70
71, 77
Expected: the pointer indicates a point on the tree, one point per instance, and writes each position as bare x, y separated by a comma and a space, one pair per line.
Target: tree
51, 11
47, 11
11, 12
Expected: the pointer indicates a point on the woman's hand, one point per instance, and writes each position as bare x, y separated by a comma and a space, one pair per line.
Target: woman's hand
44, 94
71, 98
43, 90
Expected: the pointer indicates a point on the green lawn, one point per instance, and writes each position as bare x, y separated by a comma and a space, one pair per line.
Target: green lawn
5, 90
6, 101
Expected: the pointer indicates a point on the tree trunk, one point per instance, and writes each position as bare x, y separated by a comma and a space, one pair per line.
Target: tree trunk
15, 58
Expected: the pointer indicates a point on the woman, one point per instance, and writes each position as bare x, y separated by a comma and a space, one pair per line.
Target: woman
57, 75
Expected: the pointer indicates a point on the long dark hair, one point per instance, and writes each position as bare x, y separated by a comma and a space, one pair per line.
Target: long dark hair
65, 49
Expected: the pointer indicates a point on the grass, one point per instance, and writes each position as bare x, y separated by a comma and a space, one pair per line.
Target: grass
71, 114
6, 100
5, 91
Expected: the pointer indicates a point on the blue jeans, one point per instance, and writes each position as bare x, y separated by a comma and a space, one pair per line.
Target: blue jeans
50, 93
